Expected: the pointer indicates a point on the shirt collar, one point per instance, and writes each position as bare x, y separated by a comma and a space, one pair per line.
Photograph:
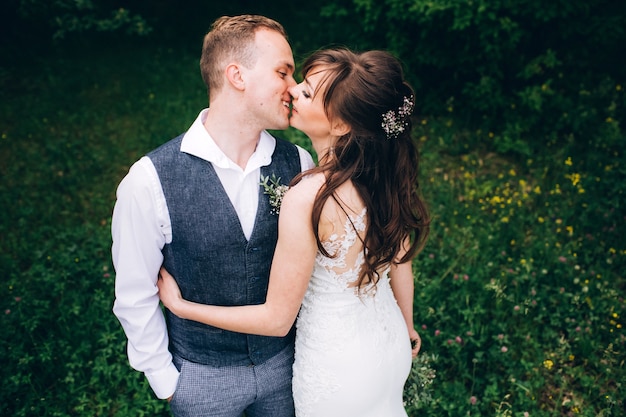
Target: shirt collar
198, 142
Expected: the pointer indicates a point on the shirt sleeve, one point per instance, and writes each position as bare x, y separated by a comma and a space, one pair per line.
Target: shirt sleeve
306, 160
140, 228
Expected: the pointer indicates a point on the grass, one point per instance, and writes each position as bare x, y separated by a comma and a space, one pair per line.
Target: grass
521, 288
519, 292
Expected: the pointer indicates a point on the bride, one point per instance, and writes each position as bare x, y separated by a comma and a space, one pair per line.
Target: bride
348, 231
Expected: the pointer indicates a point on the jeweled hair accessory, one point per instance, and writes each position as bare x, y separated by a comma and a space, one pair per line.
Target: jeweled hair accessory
394, 122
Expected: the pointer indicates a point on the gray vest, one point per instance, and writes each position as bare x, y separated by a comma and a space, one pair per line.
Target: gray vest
210, 257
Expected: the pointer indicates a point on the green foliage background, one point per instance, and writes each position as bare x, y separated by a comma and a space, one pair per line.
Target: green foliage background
521, 105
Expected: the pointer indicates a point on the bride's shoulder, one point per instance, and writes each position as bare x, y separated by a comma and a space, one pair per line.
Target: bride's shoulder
308, 186
302, 195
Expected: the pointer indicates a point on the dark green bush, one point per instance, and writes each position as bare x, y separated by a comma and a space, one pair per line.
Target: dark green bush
524, 74
63, 17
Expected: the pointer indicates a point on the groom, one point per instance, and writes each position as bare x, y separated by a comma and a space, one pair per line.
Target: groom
195, 205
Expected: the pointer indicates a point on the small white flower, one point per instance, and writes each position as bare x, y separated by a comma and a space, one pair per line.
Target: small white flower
276, 191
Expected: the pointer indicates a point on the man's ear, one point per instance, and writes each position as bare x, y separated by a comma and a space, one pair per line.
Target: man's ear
339, 128
235, 76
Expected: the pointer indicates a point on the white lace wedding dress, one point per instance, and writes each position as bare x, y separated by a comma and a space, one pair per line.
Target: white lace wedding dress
353, 353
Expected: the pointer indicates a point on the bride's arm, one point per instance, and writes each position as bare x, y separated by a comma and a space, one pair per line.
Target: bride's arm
402, 285
289, 277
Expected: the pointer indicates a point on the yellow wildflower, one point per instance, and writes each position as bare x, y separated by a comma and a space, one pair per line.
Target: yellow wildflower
575, 178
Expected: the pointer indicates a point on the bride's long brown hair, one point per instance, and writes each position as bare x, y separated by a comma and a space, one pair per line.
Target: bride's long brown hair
359, 88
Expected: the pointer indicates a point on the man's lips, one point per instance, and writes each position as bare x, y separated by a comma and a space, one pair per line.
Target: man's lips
289, 106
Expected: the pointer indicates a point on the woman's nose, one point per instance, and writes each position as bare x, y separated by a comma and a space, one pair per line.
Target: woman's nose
292, 91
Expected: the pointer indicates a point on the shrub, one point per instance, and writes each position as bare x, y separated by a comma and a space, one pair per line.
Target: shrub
66, 17
526, 74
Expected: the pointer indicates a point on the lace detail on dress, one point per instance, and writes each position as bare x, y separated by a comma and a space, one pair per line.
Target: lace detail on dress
312, 383
319, 331
344, 250
348, 342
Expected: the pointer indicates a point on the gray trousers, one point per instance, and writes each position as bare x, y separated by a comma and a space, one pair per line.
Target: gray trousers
260, 391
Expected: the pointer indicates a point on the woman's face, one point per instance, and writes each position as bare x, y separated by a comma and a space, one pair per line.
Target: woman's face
308, 113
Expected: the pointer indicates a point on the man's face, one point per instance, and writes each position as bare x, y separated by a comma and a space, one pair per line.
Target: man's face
268, 82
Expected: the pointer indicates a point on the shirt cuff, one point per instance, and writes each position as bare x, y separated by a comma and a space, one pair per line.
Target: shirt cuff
164, 382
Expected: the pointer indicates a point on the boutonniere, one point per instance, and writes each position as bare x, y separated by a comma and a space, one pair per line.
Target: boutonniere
276, 191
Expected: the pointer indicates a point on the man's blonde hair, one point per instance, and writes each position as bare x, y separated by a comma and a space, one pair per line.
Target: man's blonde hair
232, 39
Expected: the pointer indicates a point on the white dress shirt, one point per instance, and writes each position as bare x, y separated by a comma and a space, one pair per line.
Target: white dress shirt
140, 228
